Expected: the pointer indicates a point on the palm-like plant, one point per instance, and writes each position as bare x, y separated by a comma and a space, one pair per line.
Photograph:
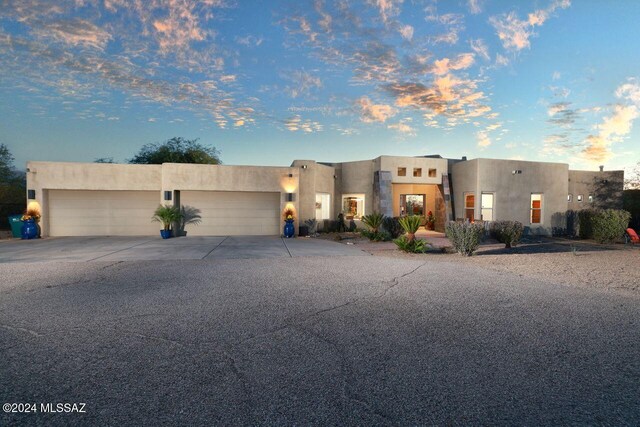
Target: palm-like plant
167, 215
411, 224
373, 221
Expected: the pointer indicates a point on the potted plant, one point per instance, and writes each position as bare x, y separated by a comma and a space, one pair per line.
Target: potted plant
431, 221
289, 216
29, 226
167, 215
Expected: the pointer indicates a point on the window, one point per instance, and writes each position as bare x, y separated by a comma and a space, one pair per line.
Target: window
536, 209
579, 197
570, 198
469, 206
590, 198
412, 204
402, 171
486, 205
417, 172
432, 173
323, 206
353, 206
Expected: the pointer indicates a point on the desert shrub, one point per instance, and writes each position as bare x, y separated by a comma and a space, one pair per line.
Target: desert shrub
376, 236
410, 224
508, 232
329, 226
392, 226
416, 246
352, 226
585, 223
464, 236
373, 221
609, 225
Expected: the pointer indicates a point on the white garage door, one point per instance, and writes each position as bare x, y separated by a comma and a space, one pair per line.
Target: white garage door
103, 213
234, 213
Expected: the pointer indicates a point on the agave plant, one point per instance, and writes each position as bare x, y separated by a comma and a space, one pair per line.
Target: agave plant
167, 215
373, 221
411, 224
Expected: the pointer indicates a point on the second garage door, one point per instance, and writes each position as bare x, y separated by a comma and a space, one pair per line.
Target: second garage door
234, 213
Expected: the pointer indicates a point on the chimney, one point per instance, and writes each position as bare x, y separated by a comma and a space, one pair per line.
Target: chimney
601, 168
464, 158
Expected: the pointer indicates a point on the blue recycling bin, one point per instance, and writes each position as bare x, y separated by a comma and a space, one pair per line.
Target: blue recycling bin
16, 225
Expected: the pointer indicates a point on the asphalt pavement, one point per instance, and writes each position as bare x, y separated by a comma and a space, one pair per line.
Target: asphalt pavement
312, 340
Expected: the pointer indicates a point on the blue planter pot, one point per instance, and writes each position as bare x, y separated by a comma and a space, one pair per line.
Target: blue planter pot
165, 234
29, 229
289, 230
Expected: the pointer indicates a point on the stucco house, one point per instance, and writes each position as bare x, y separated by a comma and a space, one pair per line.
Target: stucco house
84, 199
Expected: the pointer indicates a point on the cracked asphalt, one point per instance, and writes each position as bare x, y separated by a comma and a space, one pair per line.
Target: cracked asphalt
313, 341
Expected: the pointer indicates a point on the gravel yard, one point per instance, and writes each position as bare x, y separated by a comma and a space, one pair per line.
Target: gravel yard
570, 262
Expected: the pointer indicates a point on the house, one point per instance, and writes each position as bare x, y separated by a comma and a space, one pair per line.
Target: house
83, 199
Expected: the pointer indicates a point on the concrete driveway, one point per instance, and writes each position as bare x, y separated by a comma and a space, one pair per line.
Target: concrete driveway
350, 340
155, 248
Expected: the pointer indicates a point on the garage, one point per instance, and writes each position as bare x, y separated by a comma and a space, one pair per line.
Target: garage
226, 213
102, 213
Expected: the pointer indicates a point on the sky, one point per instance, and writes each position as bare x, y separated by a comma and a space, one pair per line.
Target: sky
267, 82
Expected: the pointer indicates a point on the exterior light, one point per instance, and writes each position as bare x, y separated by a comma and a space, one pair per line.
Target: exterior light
304, 166
290, 175
31, 194
167, 195
289, 197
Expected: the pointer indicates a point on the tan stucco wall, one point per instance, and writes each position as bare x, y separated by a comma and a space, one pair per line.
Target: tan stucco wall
605, 187
357, 178
167, 177
428, 190
392, 163
512, 192
315, 178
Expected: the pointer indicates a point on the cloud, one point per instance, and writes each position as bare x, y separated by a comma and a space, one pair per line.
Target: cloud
515, 33
615, 126
480, 48
556, 75
296, 123
475, 6
406, 31
483, 139
444, 65
387, 8
302, 83
403, 127
370, 112
76, 32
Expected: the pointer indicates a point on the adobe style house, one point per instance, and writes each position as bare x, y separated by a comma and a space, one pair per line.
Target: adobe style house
85, 199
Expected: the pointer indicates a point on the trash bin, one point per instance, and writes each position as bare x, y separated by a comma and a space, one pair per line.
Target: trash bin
16, 225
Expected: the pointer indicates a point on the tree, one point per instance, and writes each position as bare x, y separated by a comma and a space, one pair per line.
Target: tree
177, 150
632, 182
12, 187
104, 160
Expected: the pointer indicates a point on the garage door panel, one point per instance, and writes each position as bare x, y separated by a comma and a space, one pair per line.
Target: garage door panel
234, 213
102, 213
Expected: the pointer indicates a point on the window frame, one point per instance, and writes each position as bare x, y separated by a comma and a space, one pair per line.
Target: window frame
570, 198
492, 208
403, 169
467, 208
580, 197
355, 196
432, 172
532, 209
417, 172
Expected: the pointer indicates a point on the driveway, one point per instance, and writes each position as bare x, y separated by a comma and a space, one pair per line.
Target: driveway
155, 248
348, 340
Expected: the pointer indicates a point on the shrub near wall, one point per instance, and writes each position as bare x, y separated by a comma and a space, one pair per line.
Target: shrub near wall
585, 223
464, 236
609, 225
508, 232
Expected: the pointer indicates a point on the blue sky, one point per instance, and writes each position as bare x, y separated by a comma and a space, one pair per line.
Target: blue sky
267, 82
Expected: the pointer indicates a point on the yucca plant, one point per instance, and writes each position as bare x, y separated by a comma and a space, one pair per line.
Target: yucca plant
373, 221
411, 224
167, 215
